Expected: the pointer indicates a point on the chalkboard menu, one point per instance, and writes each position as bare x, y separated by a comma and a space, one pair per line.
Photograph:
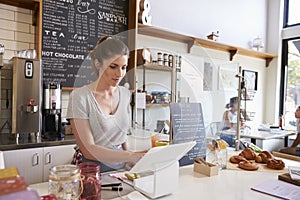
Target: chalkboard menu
188, 125
70, 28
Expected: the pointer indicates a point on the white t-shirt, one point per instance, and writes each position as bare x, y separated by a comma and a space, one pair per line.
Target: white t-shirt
109, 131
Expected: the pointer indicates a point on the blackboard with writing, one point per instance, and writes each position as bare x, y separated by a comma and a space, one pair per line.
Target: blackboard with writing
188, 125
70, 28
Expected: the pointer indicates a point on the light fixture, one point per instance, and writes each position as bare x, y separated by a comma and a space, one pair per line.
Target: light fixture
1, 55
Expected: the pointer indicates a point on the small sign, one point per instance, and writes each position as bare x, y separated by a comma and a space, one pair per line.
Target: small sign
28, 69
188, 125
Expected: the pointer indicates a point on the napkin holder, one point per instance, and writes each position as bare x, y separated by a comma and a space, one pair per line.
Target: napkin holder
203, 167
162, 182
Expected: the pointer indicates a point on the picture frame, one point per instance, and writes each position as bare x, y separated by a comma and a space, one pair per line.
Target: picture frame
227, 80
250, 78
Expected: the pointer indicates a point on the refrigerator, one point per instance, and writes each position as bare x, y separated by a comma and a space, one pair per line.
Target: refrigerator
26, 95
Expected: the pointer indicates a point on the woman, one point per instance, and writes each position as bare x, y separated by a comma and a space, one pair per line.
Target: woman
230, 120
99, 112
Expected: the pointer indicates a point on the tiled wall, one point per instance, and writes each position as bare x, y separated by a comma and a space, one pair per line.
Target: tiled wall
16, 33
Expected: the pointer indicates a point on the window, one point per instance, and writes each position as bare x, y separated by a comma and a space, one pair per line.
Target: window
291, 80
292, 14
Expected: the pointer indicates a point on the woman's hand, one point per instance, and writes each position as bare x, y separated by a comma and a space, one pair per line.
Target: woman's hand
136, 156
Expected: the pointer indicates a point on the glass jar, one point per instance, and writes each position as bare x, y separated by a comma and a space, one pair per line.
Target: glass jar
90, 172
65, 182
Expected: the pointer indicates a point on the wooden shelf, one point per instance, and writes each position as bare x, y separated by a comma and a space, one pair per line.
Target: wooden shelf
157, 104
191, 41
27, 4
149, 66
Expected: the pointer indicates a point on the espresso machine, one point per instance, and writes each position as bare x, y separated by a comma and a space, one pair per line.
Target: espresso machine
52, 111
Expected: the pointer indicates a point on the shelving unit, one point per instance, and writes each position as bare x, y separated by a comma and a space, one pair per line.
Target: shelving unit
194, 41
170, 71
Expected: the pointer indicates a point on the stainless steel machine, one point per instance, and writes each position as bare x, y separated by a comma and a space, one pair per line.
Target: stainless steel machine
26, 95
52, 111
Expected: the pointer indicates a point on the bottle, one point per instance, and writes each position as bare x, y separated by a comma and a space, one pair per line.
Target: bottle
280, 122
90, 172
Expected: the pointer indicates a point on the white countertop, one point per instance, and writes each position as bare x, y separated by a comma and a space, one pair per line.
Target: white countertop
229, 184
260, 135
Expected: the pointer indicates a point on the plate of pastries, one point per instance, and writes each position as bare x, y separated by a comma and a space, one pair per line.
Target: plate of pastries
249, 160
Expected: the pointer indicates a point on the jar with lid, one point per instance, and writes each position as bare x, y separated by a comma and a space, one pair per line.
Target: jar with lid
90, 172
165, 97
65, 182
159, 58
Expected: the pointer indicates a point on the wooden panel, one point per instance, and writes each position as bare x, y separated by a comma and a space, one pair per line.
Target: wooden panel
27, 4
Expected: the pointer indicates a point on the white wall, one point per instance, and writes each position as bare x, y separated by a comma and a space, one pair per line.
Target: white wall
239, 22
213, 102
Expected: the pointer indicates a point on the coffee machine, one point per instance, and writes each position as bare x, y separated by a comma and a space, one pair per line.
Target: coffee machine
52, 111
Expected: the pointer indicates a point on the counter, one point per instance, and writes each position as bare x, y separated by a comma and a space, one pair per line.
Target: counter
229, 184
26, 140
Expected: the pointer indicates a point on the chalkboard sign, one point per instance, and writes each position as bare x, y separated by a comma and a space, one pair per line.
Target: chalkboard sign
70, 28
188, 125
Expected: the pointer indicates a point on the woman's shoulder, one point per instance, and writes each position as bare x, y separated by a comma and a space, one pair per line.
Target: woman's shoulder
124, 91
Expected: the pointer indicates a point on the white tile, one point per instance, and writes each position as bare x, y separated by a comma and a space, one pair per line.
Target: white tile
32, 46
7, 34
14, 45
24, 37
14, 26
8, 54
21, 17
32, 29
65, 95
14, 8
6, 14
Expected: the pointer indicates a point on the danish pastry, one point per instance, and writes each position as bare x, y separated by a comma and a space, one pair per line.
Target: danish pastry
237, 159
248, 154
247, 165
275, 164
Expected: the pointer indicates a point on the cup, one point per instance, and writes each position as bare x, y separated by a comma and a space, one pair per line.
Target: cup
221, 158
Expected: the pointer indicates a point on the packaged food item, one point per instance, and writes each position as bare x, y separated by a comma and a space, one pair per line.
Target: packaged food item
12, 185
90, 172
9, 172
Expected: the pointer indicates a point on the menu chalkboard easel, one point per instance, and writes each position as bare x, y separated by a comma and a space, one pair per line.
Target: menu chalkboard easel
188, 125
70, 28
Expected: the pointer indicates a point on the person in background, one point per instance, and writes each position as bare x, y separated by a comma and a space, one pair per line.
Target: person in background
293, 149
230, 120
99, 112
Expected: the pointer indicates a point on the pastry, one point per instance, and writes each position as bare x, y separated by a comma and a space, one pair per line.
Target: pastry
264, 157
237, 159
248, 154
247, 165
275, 164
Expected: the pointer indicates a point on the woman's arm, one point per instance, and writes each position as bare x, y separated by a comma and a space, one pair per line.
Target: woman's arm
296, 141
90, 150
226, 119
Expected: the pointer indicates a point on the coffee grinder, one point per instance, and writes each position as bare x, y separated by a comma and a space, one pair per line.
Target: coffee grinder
52, 111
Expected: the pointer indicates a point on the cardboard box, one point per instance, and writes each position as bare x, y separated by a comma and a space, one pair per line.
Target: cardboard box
203, 167
9, 172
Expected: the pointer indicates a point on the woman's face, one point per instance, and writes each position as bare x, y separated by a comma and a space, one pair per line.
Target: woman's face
235, 106
114, 70
297, 113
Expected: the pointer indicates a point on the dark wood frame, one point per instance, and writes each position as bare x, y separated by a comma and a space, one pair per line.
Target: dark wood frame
255, 81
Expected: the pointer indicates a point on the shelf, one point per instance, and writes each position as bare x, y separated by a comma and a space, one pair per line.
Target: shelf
150, 66
27, 4
157, 104
193, 41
